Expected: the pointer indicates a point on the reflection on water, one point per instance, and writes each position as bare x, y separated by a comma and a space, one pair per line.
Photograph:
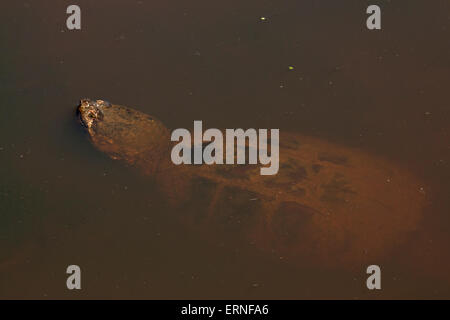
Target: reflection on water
64, 203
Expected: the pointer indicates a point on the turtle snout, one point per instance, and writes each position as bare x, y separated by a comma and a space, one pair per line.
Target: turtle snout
88, 113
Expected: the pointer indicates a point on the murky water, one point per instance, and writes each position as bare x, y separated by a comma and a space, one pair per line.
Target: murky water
62, 202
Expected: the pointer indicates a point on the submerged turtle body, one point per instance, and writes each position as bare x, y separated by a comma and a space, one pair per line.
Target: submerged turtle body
328, 204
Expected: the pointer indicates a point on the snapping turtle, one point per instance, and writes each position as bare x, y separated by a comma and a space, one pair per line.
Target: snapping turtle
328, 204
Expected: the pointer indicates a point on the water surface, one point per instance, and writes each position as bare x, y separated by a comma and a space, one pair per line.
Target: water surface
64, 203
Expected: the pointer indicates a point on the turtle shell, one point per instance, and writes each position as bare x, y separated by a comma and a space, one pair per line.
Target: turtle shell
328, 203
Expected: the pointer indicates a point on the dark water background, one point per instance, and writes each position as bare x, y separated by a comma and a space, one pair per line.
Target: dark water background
63, 203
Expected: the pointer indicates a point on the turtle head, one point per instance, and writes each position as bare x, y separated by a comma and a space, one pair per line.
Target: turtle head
124, 133
91, 111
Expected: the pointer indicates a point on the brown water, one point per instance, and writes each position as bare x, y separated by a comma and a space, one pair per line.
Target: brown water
64, 203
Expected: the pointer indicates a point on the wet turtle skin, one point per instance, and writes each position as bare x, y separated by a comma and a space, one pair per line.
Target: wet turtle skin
329, 205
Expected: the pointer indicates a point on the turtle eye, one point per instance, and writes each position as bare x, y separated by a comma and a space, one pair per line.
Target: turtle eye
105, 103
